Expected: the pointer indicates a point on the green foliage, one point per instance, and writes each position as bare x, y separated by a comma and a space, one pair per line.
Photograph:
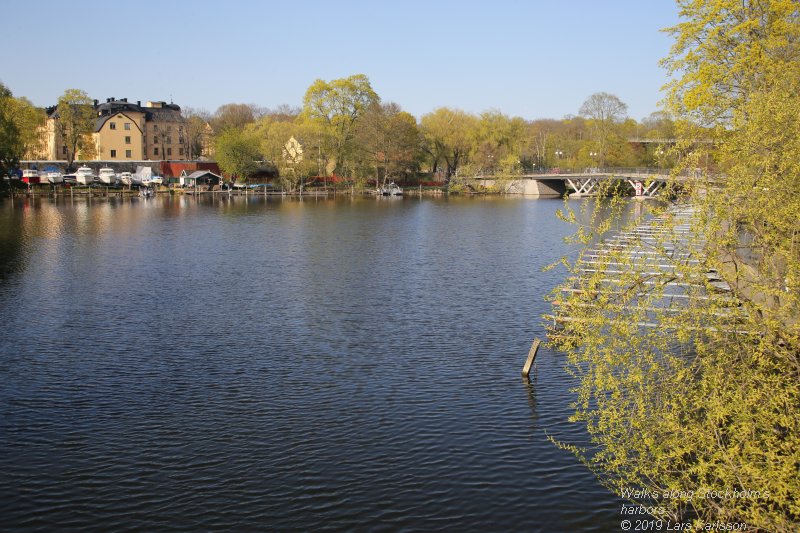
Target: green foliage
237, 153
10, 138
76, 118
19, 123
335, 108
447, 135
702, 393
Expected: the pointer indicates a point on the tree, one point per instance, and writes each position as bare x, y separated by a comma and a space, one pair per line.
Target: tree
10, 139
709, 400
76, 117
235, 116
336, 107
604, 110
497, 142
237, 153
389, 139
448, 135
20, 123
197, 125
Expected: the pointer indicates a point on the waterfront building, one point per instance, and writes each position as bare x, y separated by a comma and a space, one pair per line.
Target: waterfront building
122, 131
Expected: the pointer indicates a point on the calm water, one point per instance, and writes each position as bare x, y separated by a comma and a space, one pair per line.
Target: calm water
283, 365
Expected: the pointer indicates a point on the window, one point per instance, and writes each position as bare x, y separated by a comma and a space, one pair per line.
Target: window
113, 154
155, 127
155, 151
127, 125
169, 151
64, 150
128, 154
155, 139
169, 139
127, 140
112, 125
180, 151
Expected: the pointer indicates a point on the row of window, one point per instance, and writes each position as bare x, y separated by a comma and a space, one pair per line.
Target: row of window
127, 126
128, 152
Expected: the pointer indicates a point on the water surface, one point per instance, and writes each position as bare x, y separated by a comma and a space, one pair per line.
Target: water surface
284, 365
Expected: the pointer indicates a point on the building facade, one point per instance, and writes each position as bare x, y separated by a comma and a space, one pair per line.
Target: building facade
122, 131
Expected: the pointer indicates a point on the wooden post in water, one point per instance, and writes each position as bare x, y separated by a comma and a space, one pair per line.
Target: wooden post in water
526, 370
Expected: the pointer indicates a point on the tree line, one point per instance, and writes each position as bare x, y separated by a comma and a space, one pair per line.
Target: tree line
346, 130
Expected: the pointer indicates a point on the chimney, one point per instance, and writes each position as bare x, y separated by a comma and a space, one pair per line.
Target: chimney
108, 100
125, 100
95, 102
139, 103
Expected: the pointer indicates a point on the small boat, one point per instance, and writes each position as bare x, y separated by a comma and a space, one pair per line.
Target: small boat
146, 192
31, 177
152, 181
84, 176
107, 176
126, 178
392, 190
55, 177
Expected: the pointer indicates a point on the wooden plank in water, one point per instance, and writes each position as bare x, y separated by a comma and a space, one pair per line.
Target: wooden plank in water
531, 357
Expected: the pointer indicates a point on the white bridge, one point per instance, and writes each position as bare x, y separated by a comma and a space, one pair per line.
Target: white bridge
646, 183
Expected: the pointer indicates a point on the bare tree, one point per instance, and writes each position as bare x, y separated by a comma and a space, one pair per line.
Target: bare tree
604, 110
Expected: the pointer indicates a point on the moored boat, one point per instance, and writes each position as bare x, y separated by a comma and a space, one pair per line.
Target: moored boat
31, 177
54, 177
84, 176
392, 190
107, 176
126, 178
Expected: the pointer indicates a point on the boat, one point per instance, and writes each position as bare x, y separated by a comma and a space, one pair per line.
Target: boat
146, 192
54, 177
84, 176
126, 178
31, 177
392, 190
148, 180
107, 176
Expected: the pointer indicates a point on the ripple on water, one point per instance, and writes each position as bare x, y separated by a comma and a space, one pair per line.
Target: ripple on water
252, 364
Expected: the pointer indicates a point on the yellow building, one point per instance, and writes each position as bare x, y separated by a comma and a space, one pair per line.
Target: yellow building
122, 131
119, 131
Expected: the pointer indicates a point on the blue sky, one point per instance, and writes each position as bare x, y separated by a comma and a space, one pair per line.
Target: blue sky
534, 59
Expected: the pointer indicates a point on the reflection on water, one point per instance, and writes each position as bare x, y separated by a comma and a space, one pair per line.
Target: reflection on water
259, 363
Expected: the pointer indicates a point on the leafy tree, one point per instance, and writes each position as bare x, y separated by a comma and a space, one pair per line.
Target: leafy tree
497, 142
448, 134
335, 107
237, 153
76, 117
20, 123
10, 138
709, 400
